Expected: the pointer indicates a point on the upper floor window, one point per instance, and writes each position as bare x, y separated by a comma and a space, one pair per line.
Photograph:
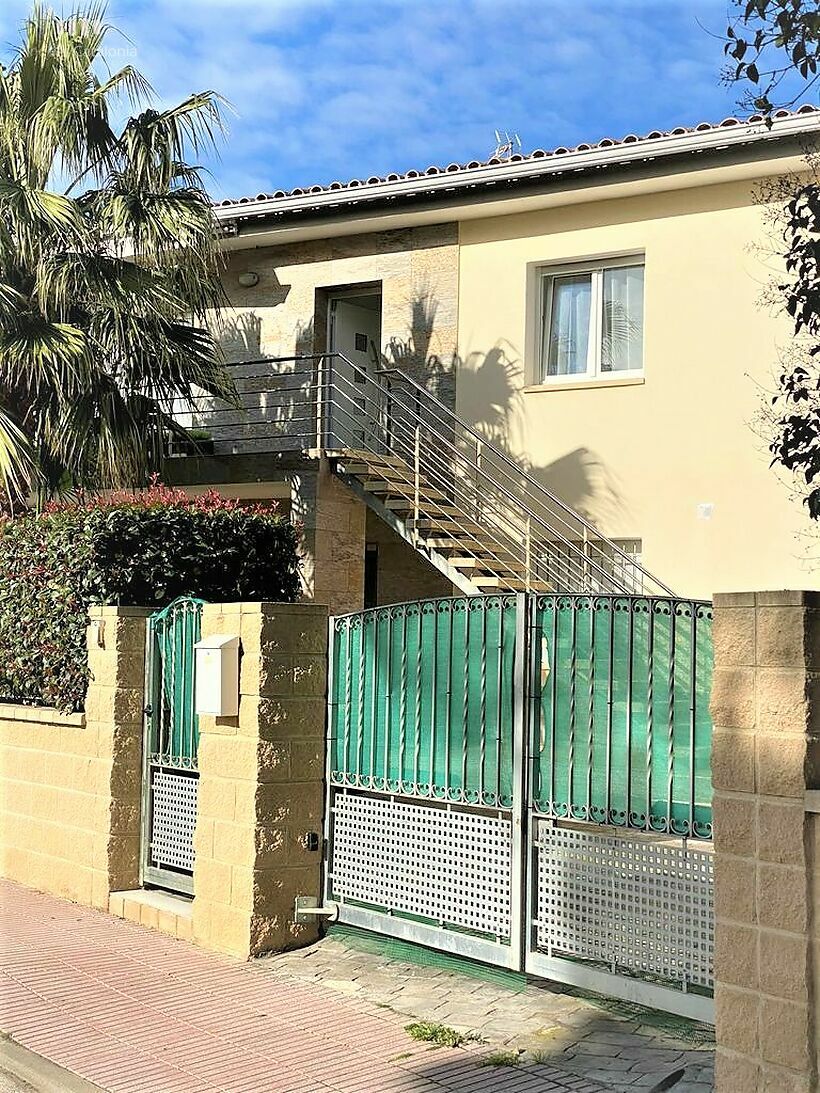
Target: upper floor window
592, 321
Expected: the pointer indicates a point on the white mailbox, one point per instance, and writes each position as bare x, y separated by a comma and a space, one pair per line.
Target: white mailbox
217, 676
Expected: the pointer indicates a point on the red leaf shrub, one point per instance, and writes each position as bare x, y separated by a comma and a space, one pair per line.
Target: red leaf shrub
142, 549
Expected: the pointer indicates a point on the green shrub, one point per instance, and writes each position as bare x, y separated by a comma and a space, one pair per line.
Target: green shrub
140, 550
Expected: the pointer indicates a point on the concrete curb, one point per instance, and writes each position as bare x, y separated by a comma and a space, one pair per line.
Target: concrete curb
43, 1075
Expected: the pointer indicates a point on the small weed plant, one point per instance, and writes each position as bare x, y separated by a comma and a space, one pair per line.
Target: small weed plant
432, 1032
502, 1058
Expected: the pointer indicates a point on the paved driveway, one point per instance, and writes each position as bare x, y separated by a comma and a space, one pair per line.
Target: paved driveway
623, 1046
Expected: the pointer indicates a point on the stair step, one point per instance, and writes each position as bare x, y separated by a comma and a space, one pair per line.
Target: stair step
379, 485
427, 505
383, 470
452, 542
369, 459
470, 544
517, 584
446, 525
487, 561
402, 489
475, 553
381, 474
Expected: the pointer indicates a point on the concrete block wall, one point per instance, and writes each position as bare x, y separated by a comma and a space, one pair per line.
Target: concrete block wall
403, 573
765, 761
261, 782
333, 541
337, 527
70, 796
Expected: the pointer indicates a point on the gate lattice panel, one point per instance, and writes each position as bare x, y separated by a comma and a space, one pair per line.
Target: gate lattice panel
525, 780
171, 742
638, 904
447, 866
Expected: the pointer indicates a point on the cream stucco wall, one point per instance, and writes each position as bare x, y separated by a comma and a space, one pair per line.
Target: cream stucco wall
640, 459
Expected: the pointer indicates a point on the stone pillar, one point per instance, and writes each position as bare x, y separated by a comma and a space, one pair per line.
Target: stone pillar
766, 713
333, 521
261, 778
114, 715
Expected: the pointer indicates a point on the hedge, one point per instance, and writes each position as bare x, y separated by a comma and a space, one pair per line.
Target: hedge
136, 549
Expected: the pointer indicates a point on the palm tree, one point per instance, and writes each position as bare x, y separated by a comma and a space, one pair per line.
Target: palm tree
108, 262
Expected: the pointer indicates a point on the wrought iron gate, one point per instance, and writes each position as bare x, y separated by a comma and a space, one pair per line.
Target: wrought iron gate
170, 776
525, 780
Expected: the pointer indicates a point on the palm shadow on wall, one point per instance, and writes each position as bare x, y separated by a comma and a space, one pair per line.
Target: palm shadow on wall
489, 400
413, 354
275, 399
491, 403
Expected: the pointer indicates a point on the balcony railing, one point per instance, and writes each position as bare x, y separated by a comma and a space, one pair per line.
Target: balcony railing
325, 403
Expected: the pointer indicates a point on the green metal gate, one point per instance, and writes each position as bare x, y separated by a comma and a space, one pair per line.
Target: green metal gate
525, 780
170, 776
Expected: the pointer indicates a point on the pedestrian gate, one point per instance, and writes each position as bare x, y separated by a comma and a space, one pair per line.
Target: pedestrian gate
170, 776
524, 779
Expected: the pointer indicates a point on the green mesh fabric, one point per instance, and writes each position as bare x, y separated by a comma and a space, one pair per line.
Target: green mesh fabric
623, 732
618, 710
175, 727
421, 699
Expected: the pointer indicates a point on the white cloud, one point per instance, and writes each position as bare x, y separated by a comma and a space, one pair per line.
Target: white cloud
328, 89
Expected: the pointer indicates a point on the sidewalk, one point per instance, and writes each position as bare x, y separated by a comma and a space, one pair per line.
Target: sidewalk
136, 1012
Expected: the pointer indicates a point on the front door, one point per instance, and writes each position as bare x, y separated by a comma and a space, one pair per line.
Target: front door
354, 337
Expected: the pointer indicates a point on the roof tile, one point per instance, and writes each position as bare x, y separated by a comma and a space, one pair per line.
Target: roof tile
538, 153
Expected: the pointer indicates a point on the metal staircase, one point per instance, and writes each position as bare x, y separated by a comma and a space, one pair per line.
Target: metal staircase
465, 505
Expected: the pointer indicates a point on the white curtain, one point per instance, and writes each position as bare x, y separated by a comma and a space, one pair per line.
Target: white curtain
622, 327
569, 325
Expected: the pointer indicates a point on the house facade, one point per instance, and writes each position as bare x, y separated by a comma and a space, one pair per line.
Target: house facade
566, 355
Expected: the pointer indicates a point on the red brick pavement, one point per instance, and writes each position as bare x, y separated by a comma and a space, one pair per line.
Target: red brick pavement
136, 1012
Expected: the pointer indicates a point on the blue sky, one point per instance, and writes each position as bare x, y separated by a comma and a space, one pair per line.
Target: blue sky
336, 89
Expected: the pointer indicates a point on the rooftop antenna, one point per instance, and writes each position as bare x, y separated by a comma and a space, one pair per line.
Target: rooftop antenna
505, 144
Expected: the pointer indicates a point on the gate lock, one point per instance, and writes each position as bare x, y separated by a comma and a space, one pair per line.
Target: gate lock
306, 908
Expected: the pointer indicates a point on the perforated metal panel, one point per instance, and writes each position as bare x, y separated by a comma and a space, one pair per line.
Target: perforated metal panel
173, 819
639, 904
448, 865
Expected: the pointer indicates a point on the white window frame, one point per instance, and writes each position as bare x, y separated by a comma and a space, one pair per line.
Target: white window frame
546, 276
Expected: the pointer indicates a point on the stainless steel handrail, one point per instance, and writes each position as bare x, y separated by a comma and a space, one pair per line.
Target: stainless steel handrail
524, 520
508, 493
532, 484
547, 522
440, 474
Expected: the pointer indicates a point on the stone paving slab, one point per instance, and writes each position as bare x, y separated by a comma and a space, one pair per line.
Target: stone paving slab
625, 1048
135, 1011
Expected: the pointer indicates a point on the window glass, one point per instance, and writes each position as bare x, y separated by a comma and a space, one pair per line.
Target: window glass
622, 320
569, 315
592, 322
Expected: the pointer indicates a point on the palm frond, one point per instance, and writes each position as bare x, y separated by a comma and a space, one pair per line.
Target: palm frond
154, 141
36, 353
12, 302
34, 215
72, 281
17, 464
100, 285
